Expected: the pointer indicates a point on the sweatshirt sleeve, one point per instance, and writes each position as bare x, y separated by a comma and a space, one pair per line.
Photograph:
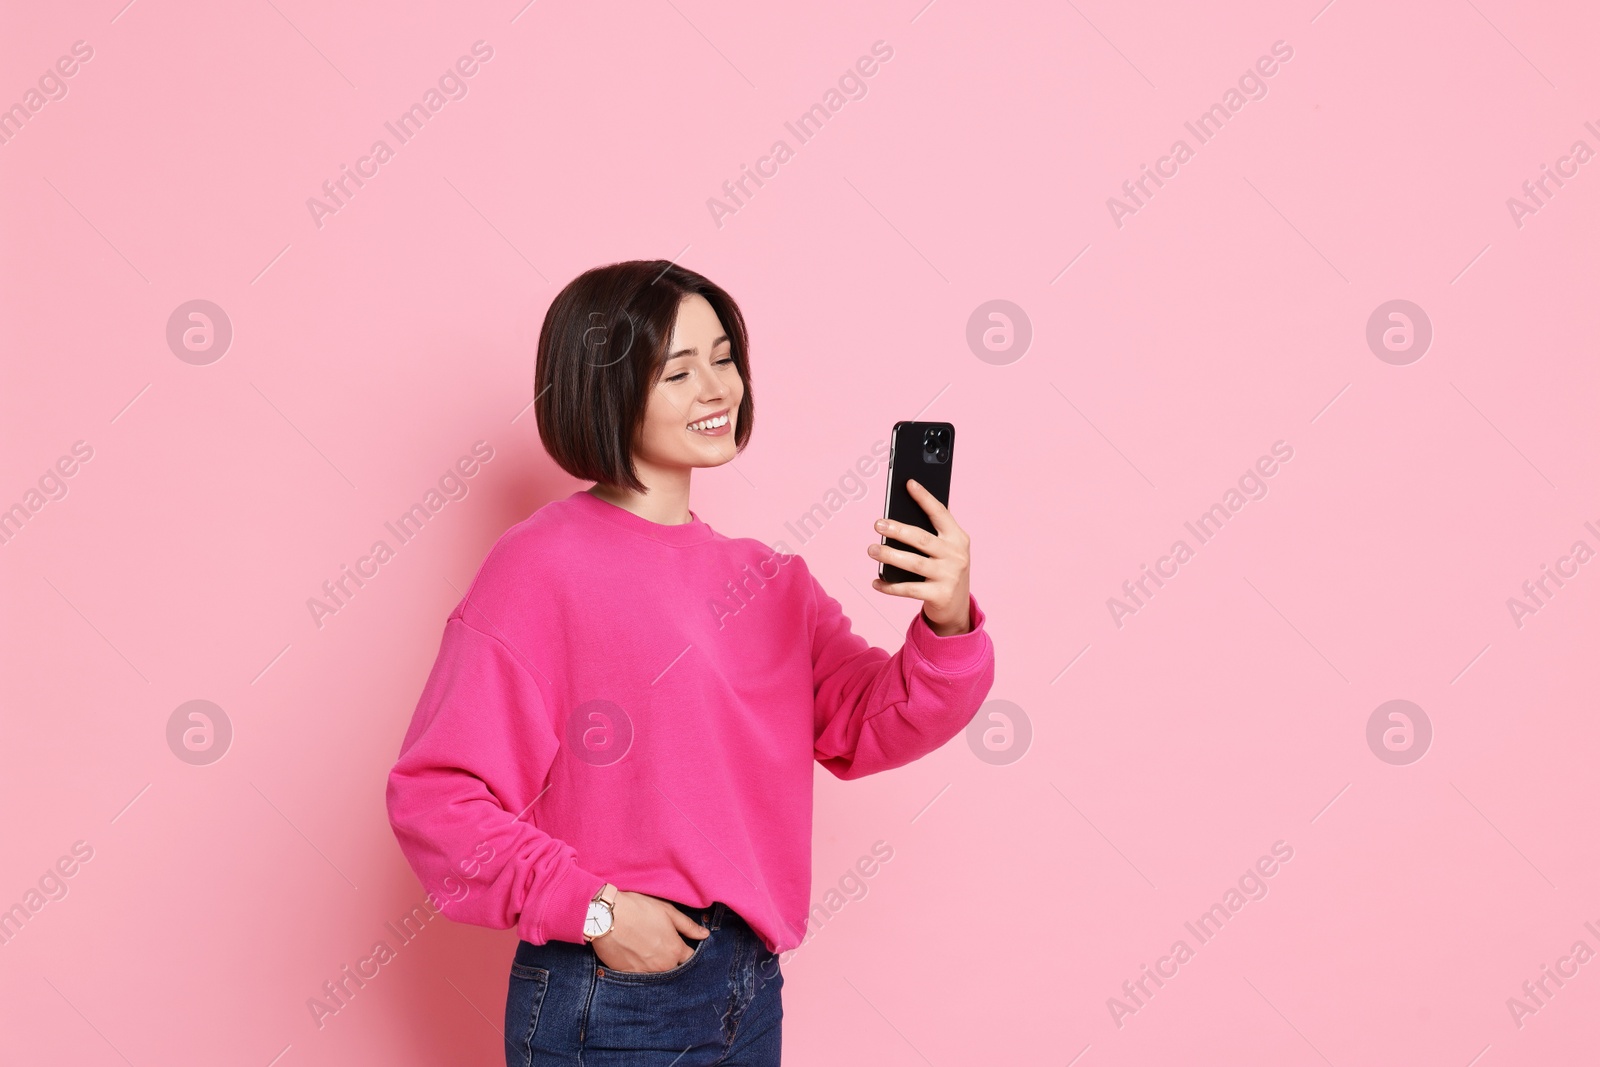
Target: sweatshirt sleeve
472, 762
874, 711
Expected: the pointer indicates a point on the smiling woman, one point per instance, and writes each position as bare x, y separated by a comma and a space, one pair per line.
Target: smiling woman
643, 772
593, 408
697, 415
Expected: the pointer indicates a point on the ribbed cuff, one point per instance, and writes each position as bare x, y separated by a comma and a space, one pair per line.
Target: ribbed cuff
955, 654
566, 907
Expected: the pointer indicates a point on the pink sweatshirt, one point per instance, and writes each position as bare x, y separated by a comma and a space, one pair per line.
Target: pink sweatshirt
617, 700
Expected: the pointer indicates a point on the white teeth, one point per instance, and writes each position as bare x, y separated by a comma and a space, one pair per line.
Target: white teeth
709, 424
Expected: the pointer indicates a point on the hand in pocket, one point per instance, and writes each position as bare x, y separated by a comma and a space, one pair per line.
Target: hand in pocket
644, 937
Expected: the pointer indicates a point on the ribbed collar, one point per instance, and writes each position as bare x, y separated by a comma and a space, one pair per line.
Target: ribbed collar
693, 532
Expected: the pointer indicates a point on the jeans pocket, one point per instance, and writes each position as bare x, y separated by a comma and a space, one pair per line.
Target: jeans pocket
632, 977
524, 997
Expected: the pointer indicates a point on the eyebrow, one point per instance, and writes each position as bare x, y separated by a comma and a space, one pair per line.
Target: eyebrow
692, 351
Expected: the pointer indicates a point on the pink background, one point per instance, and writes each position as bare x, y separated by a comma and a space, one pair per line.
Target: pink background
1166, 755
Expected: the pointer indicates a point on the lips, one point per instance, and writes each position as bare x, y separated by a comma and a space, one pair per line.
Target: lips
712, 425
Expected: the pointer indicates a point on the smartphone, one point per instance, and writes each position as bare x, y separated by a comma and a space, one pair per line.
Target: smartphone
920, 450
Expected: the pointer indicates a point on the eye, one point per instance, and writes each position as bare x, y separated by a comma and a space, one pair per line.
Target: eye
725, 359
678, 377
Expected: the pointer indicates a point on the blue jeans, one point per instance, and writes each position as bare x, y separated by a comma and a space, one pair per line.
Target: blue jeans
721, 1006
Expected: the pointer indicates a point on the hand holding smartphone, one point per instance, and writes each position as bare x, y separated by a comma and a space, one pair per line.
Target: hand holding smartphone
924, 451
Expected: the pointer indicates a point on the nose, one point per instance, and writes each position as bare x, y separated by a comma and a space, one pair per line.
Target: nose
712, 389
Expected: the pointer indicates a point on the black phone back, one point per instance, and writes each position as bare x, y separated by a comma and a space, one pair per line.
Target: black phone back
924, 451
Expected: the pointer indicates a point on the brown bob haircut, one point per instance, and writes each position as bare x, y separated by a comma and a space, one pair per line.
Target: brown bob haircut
603, 347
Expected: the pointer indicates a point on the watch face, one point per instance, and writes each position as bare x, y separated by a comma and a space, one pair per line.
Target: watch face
598, 920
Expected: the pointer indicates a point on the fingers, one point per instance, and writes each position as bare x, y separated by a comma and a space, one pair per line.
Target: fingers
941, 558
915, 536
942, 519
685, 924
945, 526
915, 590
908, 561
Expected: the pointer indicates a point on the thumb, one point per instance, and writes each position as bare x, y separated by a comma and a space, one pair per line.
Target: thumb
687, 925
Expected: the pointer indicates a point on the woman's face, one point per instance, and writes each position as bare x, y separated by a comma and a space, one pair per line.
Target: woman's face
698, 383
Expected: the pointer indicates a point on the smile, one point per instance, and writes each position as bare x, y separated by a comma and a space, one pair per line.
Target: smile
715, 426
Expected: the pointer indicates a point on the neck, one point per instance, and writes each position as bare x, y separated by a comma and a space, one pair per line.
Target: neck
666, 500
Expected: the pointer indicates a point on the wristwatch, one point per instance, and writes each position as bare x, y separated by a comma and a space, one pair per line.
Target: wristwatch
598, 922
